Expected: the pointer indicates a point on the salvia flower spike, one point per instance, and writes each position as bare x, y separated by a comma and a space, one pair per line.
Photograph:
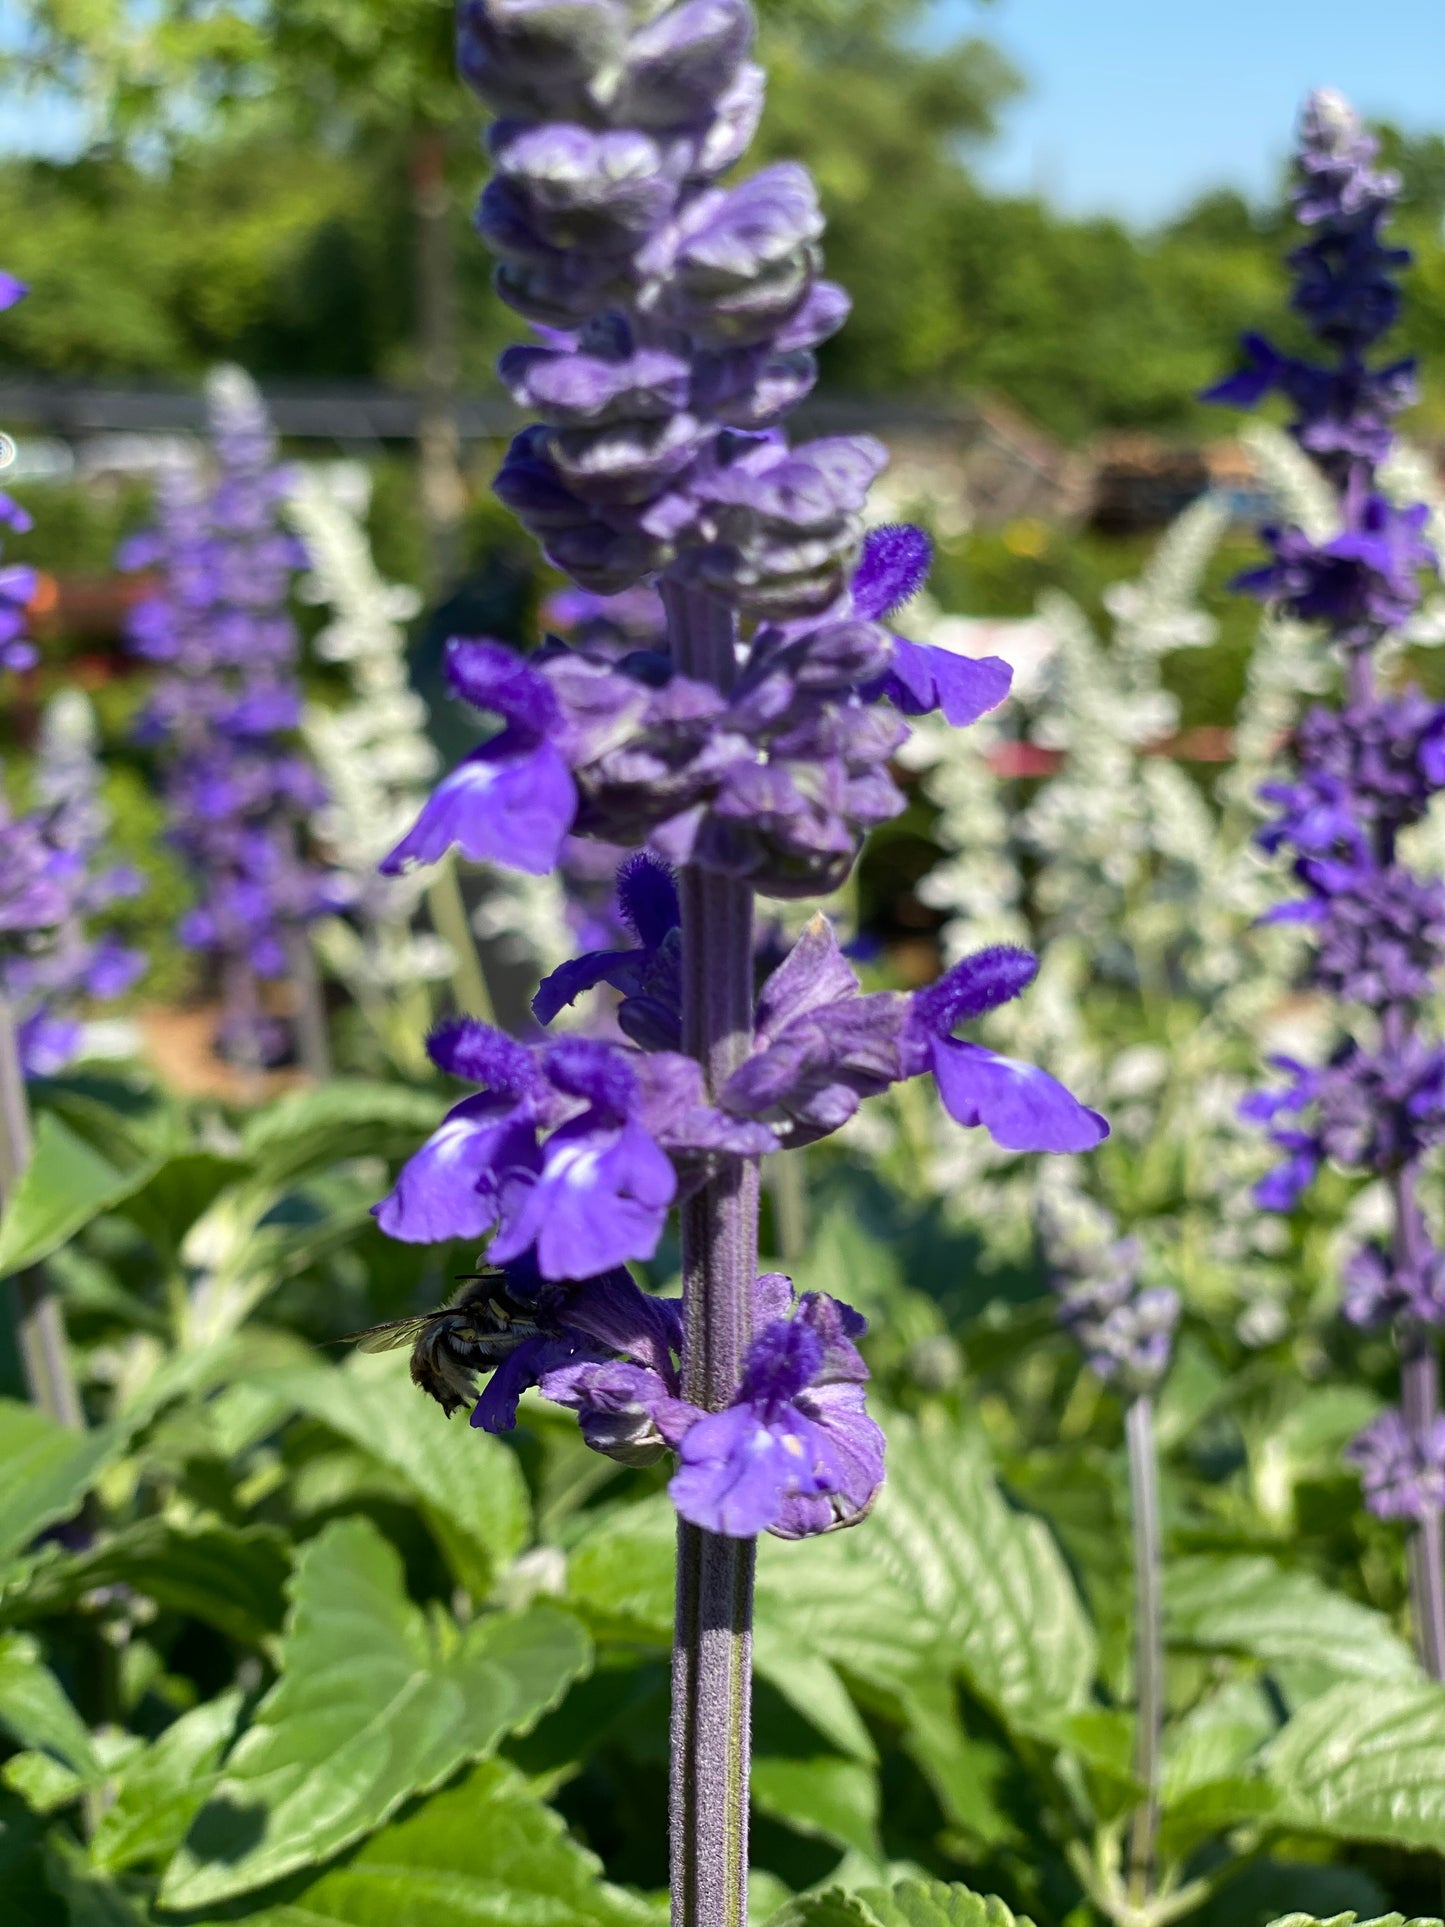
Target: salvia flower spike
1362, 773
726, 708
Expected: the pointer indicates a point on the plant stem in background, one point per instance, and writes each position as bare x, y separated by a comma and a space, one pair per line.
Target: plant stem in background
1420, 1397
39, 1320
787, 1180
450, 921
712, 1655
1148, 1641
308, 1015
443, 491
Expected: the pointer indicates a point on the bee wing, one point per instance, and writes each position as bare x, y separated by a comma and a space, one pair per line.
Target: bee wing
391, 1336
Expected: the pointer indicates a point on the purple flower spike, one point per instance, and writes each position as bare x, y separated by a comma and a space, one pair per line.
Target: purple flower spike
11, 290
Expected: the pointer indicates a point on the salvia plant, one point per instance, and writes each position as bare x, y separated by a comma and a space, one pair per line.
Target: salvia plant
224, 719
746, 754
1363, 773
374, 760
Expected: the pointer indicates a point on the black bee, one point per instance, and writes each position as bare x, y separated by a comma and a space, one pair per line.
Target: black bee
450, 1345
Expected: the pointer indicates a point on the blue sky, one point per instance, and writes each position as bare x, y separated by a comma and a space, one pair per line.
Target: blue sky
1136, 105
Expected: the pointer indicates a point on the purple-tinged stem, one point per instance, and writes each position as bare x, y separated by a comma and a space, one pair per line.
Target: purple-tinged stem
712, 1653
1148, 1641
1420, 1397
39, 1319
313, 1040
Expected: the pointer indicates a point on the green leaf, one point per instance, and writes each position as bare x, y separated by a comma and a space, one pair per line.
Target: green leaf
485, 1853
943, 1566
944, 1575
91, 1899
45, 1470
345, 1118
912, 1903
68, 1182
1366, 1761
469, 1486
35, 1710
1252, 1605
827, 1798
1353, 1920
41, 1781
229, 1577
373, 1705
159, 1793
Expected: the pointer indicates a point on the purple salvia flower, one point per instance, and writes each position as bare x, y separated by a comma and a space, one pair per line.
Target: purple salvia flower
1402, 1471
1363, 773
677, 319
225, 712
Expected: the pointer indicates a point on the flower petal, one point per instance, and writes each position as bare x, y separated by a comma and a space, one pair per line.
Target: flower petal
498, 806
1021, 1107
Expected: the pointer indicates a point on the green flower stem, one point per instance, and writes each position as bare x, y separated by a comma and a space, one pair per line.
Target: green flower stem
452, 925
39, 1319
712, 1653
1148, 1642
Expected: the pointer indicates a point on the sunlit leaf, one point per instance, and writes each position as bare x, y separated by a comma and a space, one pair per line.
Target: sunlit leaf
372, 1705
1366, 1761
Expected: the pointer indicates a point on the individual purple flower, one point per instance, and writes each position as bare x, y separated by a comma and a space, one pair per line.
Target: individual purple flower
647, 976
1402, 1471
513, 800
568, 1151
1362, 582
1021, 1106
820, 1045
795, 1453
920, 678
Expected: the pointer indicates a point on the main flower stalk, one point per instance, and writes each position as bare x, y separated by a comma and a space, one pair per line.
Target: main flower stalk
712, 1651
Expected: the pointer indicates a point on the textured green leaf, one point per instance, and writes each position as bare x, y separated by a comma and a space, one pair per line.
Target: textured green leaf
68, 1182
943, 1565
35, 1710
484, 1853
1353, 1920
912, 1903
942, 1576
159, 1793
1366, 1761
372, 1706
469, 1485
1252, 1605
45, 1471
